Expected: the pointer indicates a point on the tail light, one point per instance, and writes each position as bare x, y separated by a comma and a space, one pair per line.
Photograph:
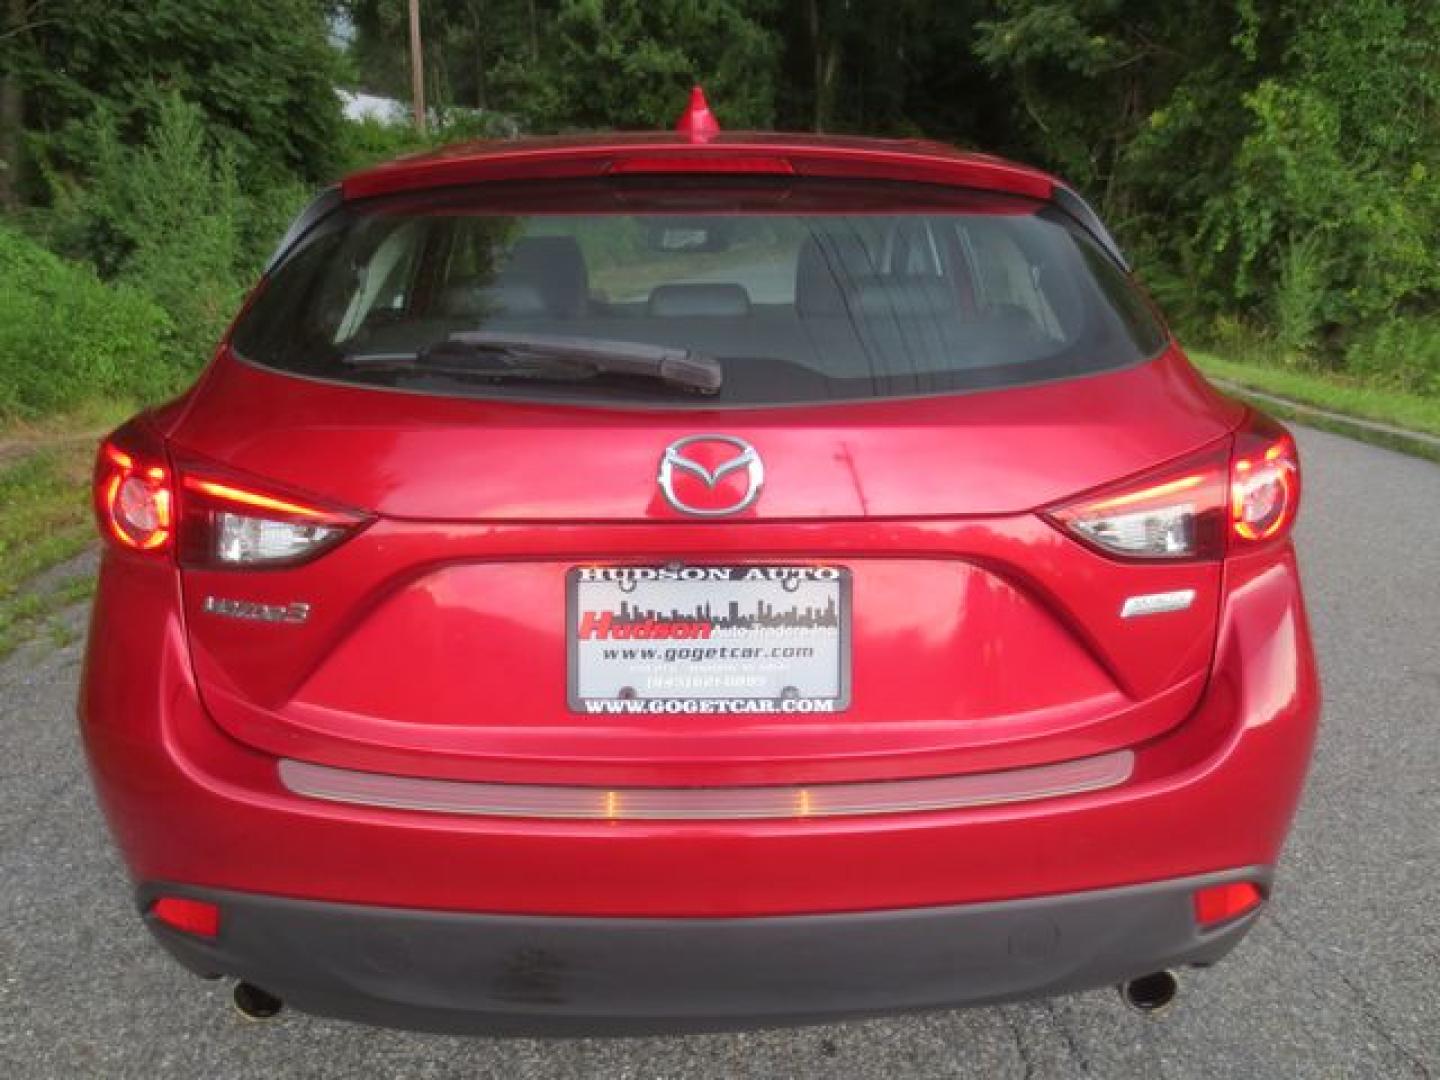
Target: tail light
226, 522
209, 518
1264, 483
1174, 513
134, 490
1223, 499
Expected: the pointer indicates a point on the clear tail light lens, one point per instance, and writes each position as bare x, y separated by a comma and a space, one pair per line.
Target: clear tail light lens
231, 523
241, 539
1175, 513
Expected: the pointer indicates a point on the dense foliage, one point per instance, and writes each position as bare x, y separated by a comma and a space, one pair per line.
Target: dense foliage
66, 337
1274, 165
1272, 162
262, 71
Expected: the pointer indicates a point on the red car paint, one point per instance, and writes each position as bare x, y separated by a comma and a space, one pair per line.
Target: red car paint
986, 635
800, 155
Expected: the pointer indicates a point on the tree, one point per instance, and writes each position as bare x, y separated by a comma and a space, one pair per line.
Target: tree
262, 71
17, 24
630, 63
1275, 160
1100, 80
1331, 213
480, 54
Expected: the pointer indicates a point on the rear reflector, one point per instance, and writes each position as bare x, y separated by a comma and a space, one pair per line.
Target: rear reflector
190, 916
706, 804
1216, 904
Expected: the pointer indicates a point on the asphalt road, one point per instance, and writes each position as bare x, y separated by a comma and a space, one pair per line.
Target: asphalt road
1340, 980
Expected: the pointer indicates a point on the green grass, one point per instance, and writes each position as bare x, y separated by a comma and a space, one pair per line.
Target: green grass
45, 520
1411, 411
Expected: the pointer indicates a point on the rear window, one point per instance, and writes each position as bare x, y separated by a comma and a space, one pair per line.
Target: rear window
801, 292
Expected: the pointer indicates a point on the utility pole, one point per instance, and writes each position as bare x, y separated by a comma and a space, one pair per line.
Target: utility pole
417, 68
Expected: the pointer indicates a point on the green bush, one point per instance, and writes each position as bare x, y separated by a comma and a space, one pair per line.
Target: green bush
165, 217
265, 217
368, 142
1400, 353
1274, 167
1299, 298
1239, 339
262, 71
67, 337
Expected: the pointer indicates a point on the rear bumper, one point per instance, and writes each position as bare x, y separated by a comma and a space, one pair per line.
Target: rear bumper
509, 974
190, 805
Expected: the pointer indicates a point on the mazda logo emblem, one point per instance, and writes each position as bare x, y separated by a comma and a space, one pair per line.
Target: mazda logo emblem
725, 455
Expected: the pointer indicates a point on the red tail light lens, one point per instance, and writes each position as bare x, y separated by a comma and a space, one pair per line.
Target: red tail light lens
1173, 513
1216, 904
1264, 484
134, 494
227, 522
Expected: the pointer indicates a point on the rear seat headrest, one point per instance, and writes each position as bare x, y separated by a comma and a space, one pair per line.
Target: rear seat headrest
836, 275
690, 301
827, 265
902, 295
555, 267
469, 300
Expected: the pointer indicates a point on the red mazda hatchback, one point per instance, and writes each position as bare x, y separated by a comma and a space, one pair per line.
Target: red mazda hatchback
697, 580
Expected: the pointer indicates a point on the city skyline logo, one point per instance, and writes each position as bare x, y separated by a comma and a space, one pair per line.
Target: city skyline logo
701, 621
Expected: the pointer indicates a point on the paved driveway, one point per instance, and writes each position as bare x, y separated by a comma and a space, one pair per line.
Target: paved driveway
1340, 980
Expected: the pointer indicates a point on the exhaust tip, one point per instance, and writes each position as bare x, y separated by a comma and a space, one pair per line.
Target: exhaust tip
1150, 994
255, 1004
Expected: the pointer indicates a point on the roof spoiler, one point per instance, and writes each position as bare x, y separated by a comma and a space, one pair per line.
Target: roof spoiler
1066, 199
320, 207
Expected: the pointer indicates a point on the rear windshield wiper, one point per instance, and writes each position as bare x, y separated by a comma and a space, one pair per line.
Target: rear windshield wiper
487, 355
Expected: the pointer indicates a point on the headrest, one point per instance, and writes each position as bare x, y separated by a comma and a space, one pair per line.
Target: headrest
827, 264
688, 301
468, 300
903, 295
553, 265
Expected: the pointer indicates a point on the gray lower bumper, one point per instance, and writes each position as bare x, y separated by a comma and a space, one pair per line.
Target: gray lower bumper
507, 974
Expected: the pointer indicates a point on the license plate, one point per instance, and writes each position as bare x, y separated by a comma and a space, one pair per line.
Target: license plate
709, 639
